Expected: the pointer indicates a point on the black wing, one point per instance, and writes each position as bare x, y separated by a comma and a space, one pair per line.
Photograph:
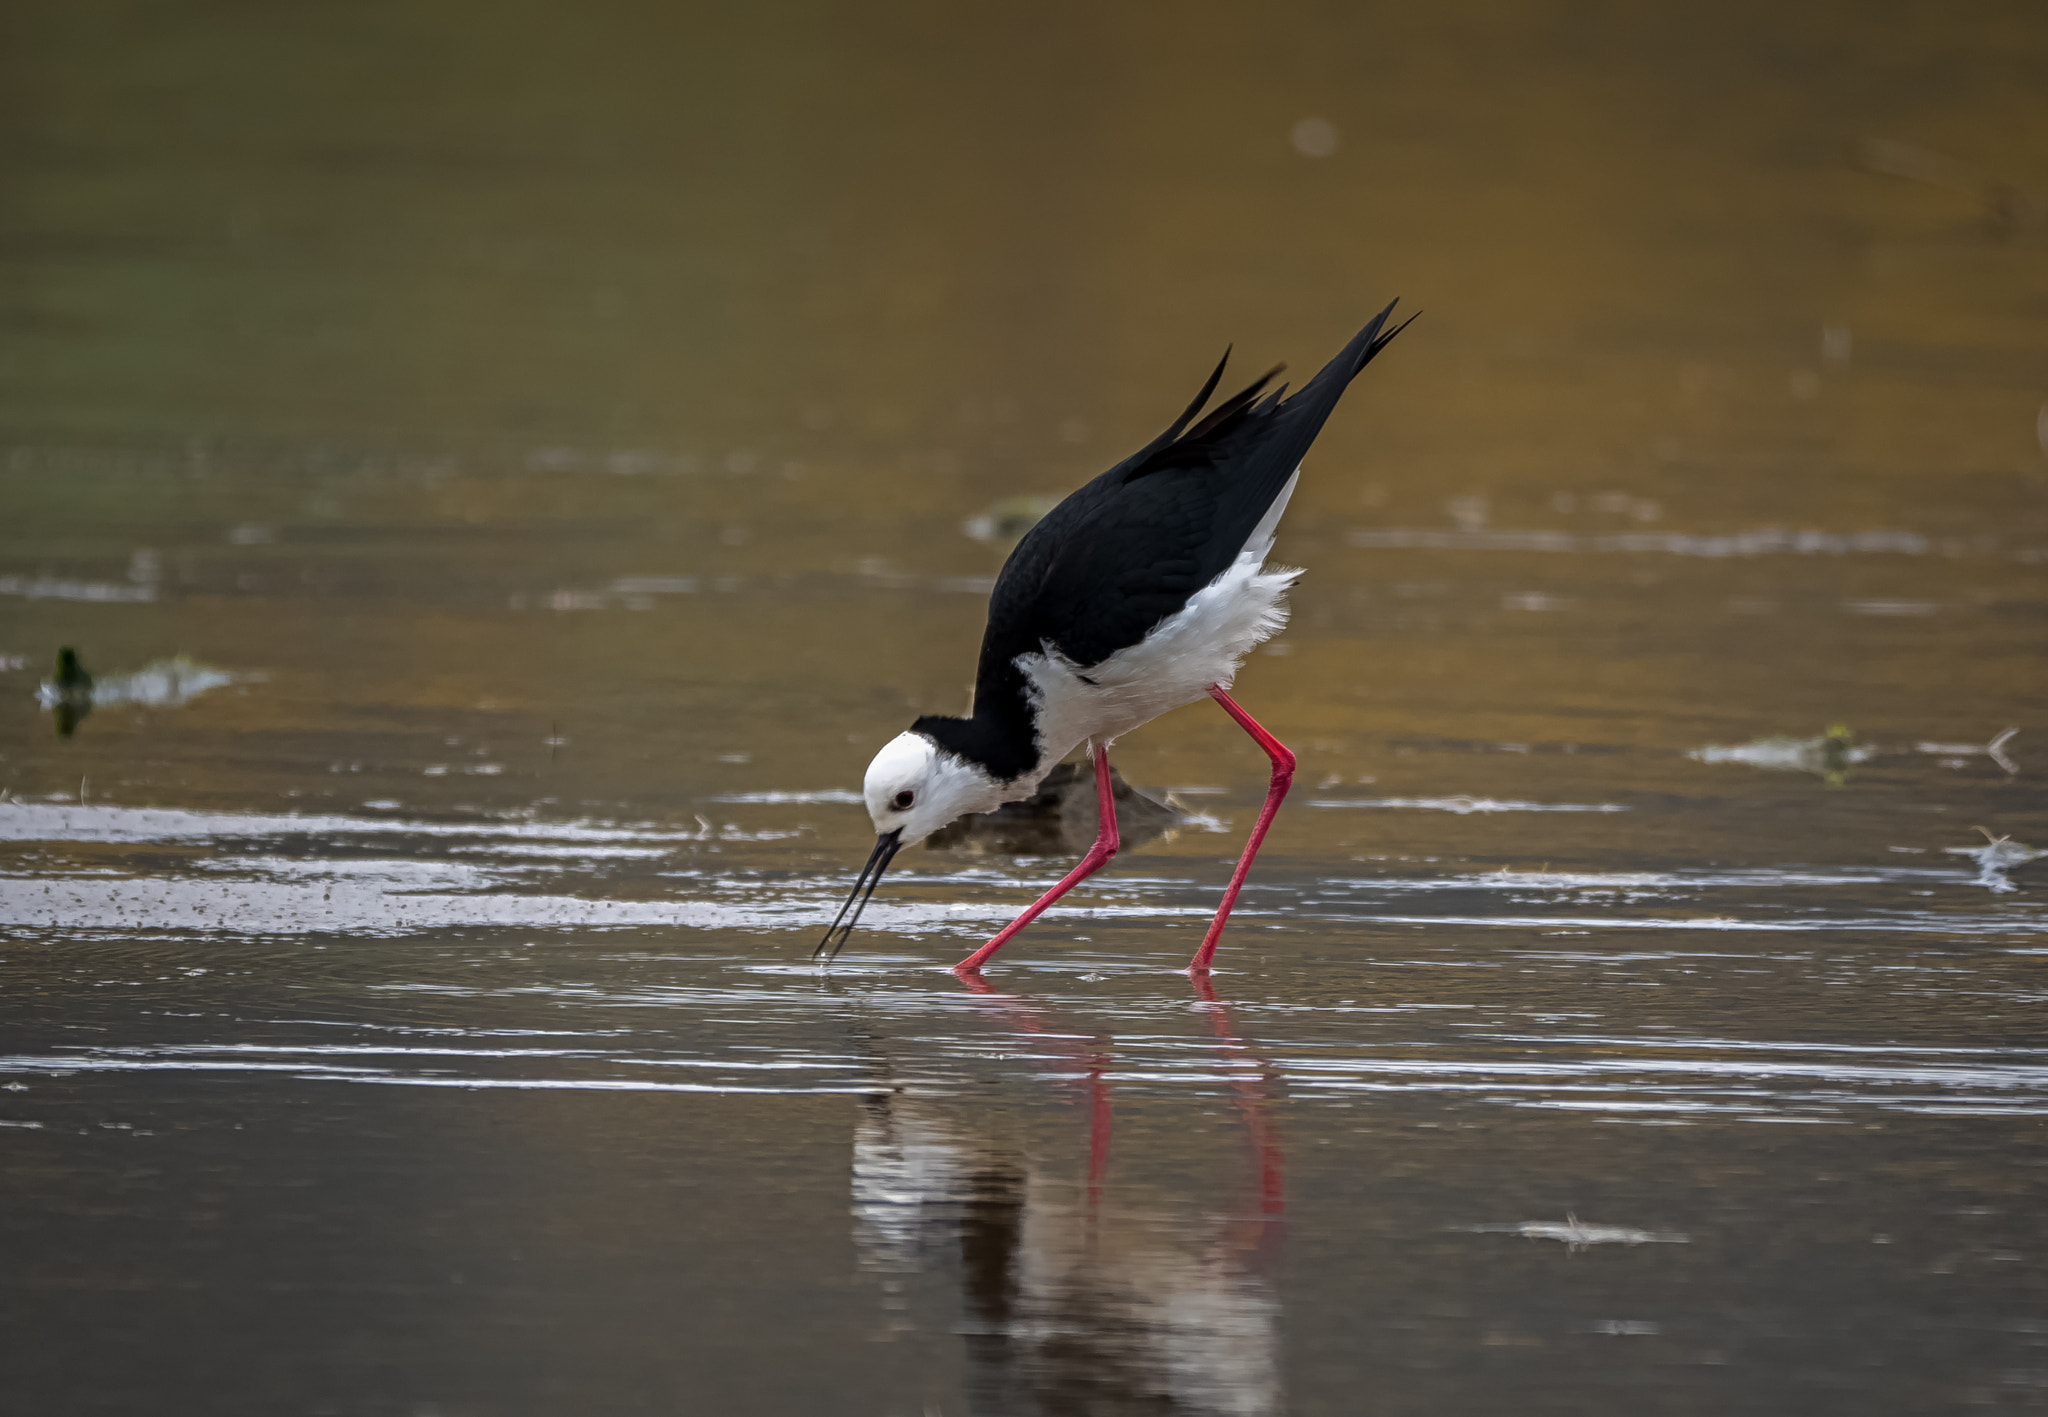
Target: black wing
1128, 549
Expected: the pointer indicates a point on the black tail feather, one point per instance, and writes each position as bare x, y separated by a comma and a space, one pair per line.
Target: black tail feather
1356, 355
1192, 409
1263, 438
1234, 403
1338, 372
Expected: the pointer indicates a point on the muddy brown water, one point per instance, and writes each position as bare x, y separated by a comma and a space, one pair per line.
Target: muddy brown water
548, 433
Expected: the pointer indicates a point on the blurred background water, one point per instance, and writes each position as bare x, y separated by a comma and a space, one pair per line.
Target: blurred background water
506, 469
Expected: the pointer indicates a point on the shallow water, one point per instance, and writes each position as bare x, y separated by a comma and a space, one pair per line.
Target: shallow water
554, 440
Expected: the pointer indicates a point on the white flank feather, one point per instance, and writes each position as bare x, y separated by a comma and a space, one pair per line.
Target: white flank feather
1201, 644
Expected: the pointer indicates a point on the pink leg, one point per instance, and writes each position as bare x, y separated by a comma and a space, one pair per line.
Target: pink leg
1249, 1232
1099, 1122
1283, 776
1105, 847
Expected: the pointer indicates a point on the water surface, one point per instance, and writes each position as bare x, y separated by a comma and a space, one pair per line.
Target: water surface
552, 440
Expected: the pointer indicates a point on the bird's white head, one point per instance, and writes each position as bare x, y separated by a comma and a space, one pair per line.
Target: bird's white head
913, 788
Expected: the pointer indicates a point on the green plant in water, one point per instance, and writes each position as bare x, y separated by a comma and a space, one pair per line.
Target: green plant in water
1837, 752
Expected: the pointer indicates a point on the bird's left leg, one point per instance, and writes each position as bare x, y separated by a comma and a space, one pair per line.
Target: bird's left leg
1283, 776
1106, 842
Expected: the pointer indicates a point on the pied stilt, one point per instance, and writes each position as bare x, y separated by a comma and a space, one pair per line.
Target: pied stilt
1141, 592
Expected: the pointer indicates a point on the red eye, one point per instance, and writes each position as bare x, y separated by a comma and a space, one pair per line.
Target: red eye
903, 800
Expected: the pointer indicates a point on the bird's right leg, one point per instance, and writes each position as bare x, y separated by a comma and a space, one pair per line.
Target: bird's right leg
1276, 790
1106, 842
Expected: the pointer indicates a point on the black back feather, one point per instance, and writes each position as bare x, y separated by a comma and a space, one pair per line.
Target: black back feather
1126, 551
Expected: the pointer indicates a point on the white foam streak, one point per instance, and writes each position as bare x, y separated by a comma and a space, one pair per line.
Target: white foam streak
58, 588
830, 794
1765, 541
39, 821
256, 908
1463, 806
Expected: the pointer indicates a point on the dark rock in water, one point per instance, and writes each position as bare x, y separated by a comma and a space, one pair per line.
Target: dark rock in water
71, 676
1060, 819
70, 692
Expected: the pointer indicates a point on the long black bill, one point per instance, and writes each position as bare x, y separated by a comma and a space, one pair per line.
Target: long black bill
870, 876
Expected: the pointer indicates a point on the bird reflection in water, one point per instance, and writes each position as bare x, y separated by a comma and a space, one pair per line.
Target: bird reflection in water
1071, 1304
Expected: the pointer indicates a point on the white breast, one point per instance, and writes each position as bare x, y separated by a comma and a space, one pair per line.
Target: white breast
1201, 644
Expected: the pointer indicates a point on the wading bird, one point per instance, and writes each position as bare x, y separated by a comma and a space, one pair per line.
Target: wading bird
1140, 593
